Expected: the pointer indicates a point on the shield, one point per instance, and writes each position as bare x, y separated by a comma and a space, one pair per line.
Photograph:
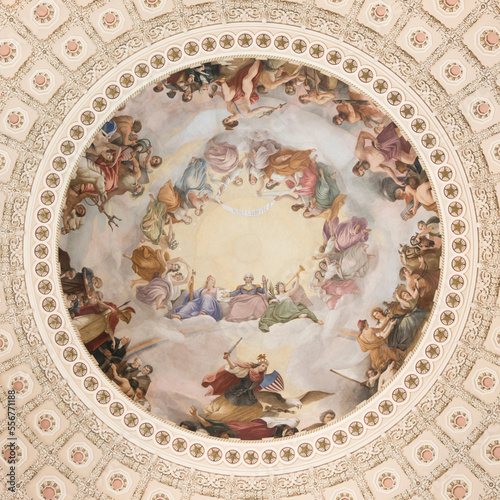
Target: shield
273, 382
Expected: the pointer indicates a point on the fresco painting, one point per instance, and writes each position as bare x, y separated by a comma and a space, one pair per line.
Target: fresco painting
250, 248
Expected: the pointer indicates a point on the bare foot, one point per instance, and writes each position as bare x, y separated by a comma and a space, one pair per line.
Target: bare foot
357, 292
370, 256
366, 230
175, 316
203, 314
303, 316
320, 322
333, 175
357, 228
160, 307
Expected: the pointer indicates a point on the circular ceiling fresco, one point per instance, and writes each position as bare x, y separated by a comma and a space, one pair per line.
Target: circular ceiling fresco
250, 248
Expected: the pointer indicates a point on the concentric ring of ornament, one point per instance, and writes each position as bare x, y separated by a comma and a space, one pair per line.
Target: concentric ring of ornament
389, 405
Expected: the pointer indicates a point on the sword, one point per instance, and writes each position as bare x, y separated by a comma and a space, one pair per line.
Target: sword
234, 347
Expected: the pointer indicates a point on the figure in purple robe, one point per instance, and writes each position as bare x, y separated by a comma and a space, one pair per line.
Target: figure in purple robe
340, 236
222, 157
156, 287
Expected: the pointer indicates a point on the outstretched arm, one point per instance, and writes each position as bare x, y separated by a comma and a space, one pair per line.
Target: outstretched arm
194, 413
295, 286
262, 109
116, 377
229, 362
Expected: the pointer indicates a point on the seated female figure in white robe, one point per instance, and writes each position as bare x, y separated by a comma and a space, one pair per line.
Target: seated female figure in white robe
352, 263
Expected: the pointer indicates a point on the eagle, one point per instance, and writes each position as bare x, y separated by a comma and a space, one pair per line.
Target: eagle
274, 403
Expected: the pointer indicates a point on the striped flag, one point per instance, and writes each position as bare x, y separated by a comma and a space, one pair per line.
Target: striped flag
273, 382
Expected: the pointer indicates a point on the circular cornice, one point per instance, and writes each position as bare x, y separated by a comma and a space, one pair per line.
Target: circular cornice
423, 367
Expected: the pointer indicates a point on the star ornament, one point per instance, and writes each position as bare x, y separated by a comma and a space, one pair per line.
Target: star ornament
356, 429
445, 174
251, 457
208, 44
80, 370
196, 450
232, 456
317, 51
162, 438
214, 455
333, 57
127, 80
305, 450
394, 98
350, 65
281, 42
458, 227
322, 444
179, 445
263, 40
158, 61
287, 454
407, 111
428, 141
131, 420
385, 407
433, 351
245, 40
422, 366
91, 384
418, 125
459, 245
365, 75
437, 157
62, 338
299, 46
112, 92
191, 48
174, 54
451, 191
380, 86
141, 71
226, 42
399, 395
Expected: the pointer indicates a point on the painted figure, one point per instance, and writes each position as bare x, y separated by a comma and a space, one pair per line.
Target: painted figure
283, 309
204, 302
248, 301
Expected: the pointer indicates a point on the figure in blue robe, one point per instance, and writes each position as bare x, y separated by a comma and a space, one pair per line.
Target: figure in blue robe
194, 180
204, 302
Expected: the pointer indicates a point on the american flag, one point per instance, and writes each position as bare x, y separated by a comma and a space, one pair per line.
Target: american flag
273, 382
